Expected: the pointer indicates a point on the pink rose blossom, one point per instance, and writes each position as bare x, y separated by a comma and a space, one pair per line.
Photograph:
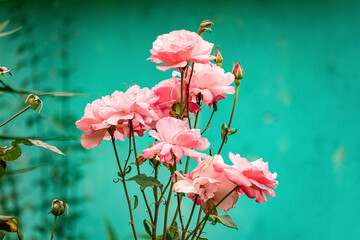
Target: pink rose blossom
250, 177
116, 110
208, 184
178, 48
212, 82
169, 92
176, 136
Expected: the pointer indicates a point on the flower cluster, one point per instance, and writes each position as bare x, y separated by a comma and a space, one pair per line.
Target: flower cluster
135, 105
168, 110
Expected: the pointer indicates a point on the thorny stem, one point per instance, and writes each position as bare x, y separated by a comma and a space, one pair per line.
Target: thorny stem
182, 95
116, 154
201, 230
191, 214
15, 116
196, 119
178, 200
211, 210
208, 124
129, 154
163, 192
156, 203
138, 170
188, 94
197, 222
124, 185
167, 209
231, 117
53, 228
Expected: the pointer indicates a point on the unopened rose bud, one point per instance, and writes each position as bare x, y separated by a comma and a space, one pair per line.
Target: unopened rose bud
238, 73
205, 26
58, 207
219, 58
34, 102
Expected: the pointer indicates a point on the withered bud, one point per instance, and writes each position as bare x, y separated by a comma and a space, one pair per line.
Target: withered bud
4, 70
219, 59
139, 160
58, 207
111, 130
205, 26
209, 205
34, 102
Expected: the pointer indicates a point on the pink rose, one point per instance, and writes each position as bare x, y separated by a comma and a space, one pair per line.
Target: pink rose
169, 94
250, 177
116, 110
178, 48
208, 184
176, 136
212, 82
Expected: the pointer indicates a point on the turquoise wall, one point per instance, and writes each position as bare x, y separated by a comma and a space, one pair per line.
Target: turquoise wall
298, 105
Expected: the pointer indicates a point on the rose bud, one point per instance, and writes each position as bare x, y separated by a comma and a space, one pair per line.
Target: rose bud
238, 73
219, 58
34, 101
58, 207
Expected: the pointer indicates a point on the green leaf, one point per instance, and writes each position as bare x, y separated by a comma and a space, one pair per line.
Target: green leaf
14, 152
39, 143
224, 132
145, 181
11, 153
128, 169
177, 109
224, 219
173, 233
10, 224
136, 201
2, 169
232, 131
171, 169
110, 230
147, 227
2, 234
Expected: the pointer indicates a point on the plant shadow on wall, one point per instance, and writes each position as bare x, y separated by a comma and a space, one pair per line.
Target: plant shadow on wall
29, 184
171, 110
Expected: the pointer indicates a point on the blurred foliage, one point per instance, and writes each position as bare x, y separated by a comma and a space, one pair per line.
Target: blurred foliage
52, 177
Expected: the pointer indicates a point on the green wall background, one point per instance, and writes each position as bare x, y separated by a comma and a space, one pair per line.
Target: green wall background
298, 106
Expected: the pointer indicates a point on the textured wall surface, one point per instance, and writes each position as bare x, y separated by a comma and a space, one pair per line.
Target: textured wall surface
298, 105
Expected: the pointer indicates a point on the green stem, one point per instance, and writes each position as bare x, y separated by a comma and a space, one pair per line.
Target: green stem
197, 222
211, 210
124, 185
167, 209
157, 204
138, 171
188, 94
15, 116
116, 154
191, 214
53, 228
208, 124
182, 94
231, 117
